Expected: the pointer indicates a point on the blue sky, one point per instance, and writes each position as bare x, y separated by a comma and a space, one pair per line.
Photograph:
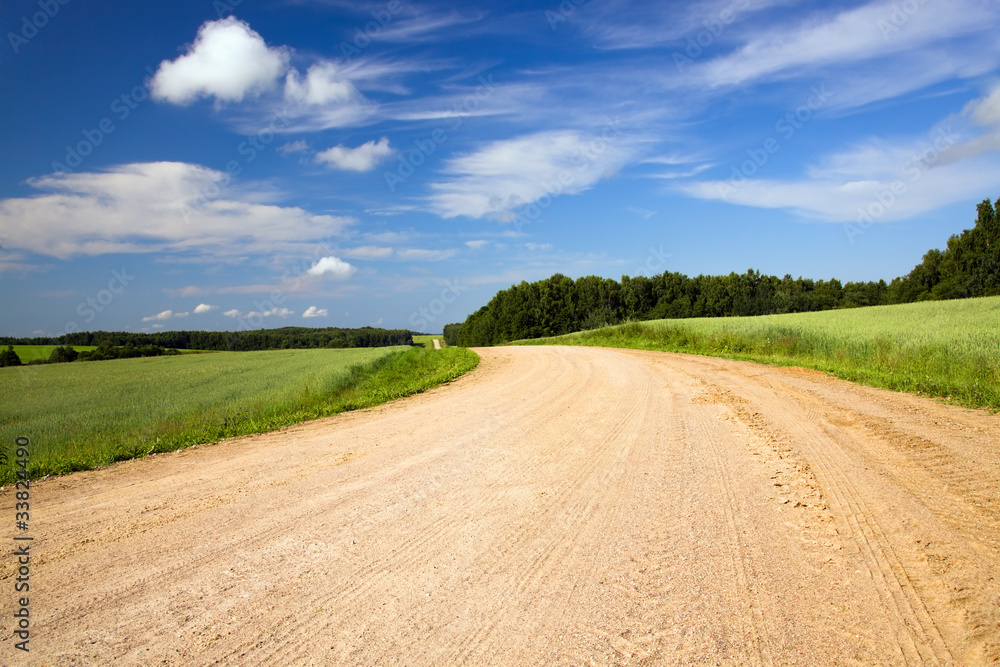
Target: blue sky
228, 165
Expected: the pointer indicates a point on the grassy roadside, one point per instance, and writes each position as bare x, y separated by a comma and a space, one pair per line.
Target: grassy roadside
949, 350
104, 414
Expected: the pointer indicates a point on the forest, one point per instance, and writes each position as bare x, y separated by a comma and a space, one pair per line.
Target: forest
263, 339
968, 267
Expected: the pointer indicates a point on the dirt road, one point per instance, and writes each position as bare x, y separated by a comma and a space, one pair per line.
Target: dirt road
556, 506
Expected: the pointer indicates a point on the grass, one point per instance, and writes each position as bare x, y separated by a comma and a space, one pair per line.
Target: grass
946, 349
30, 352
84, 415
428, 340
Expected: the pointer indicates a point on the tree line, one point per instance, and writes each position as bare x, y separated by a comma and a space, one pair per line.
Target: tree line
264, 339
968, 267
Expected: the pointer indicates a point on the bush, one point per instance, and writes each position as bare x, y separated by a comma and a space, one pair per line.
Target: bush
63, 354
9, 357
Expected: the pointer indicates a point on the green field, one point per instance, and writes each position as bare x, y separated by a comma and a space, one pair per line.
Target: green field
947, 349
428, 340
28, 353
80, 415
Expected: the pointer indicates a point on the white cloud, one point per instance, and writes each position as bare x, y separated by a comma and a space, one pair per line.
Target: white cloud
323, 85
879, 180
228, 61
333, 266
165, 315
986, 110
154, 207
204, 308
363, 158
860, 33
274, 312
293, 147
509, 174
232, 313
479, 243
325, 98
313, 311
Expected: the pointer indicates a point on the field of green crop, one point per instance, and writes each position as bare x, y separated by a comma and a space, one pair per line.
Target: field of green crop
28, 353
947, 349
84, 414
428, 340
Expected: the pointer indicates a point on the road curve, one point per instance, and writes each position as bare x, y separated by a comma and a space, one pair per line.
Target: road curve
558, 505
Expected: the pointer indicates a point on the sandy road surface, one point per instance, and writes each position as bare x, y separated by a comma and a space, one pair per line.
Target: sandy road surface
557, 505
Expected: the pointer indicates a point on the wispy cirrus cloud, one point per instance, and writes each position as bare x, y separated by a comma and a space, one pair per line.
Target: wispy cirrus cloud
883, 180
508, 174
856, 34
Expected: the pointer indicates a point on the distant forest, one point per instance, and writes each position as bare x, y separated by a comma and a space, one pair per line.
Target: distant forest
264, 339
968, 267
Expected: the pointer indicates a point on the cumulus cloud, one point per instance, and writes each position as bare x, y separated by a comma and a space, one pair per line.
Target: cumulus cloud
322, 85
324, 98
510, 174
333, 266
363, 158
153, 207
274, 312
228, 61
204, 308
164, 315
234, 313
313, 311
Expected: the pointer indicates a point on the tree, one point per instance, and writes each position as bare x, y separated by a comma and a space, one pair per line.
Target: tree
63, 354
9, 357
